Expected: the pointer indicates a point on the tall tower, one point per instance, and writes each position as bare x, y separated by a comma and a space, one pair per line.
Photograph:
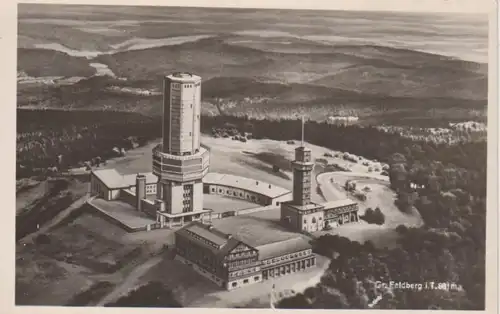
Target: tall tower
180, 162
302, 168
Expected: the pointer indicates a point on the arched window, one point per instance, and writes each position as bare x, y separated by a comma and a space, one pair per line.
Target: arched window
314, 220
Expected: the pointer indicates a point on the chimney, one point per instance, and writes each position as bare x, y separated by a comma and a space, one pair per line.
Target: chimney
160, 205
140, 190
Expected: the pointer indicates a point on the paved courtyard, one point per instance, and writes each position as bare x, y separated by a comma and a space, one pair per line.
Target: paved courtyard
123, 212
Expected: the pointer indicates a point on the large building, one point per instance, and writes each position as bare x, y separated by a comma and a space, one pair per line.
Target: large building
247, 189
301, 213
232, 263
180, 162
173, 193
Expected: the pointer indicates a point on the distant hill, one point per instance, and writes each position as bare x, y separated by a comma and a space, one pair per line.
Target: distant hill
372, 82
362, 69
44, 62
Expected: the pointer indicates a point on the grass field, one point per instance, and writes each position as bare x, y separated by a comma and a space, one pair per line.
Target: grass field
78, 255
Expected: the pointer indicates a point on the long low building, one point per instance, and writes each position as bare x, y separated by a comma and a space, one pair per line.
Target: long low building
254, 191
107, 184
314, 217
231, 263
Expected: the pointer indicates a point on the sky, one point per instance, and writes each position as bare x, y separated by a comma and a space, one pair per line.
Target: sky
456, 6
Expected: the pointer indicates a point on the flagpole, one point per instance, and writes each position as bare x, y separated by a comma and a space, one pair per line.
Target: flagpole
302, 131
271, 298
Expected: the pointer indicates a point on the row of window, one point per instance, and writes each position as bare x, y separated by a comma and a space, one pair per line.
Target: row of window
240, 262
244, 272
151, 188
242, 254
240, 194
235, 284
287, 257
178, 85
313, 220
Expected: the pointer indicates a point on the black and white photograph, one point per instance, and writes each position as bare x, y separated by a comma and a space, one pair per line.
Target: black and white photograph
211, 157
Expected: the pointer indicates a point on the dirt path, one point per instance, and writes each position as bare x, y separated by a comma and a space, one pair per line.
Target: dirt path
57, 219
130, 280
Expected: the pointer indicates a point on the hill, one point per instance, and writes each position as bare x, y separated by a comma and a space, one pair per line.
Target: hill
364, 69
44, 62
378, 84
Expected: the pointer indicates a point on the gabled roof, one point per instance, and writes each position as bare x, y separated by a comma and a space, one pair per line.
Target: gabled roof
129, 179
110, 177
280, 248
222, 243
114, 180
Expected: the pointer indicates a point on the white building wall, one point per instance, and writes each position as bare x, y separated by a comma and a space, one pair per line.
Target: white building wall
114, 194
313, 222
242, 282
176, 199
151, 189
197, 114
198, 196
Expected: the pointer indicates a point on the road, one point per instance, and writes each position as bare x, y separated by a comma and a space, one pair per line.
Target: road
332, 191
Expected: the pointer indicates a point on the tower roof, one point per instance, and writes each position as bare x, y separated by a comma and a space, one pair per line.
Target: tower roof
303, 148
183, 77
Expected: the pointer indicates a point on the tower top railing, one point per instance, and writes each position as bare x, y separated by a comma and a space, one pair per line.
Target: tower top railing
158, 151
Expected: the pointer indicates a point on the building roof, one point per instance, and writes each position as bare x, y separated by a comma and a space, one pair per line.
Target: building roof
309, 206
183, 77
110, 177
338, 203
252, 185
129, 179
280, 248
212, 235
223, 242
114, 180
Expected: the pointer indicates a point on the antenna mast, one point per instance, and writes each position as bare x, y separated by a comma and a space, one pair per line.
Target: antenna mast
302, 131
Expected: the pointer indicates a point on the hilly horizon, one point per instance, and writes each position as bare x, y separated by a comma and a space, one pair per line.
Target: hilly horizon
268, 73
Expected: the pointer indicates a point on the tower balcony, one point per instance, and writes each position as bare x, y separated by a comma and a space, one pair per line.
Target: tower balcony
177, 168
302, 166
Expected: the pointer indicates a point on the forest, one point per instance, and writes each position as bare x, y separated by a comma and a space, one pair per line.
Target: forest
51, 141
450, 248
